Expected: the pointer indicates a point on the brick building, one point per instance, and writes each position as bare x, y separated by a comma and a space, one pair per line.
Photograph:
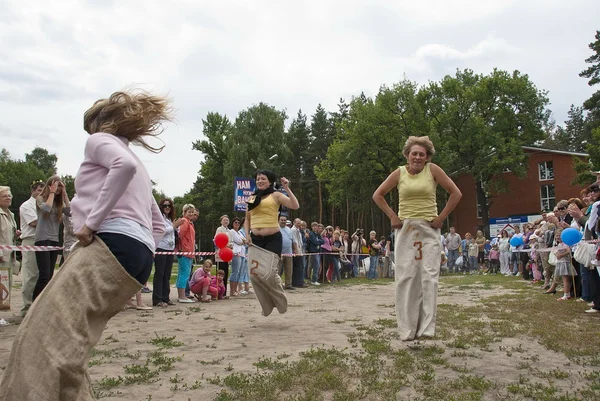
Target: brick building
548, 180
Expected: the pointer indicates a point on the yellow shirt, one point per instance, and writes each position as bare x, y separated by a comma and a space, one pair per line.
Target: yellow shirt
265, 214
417, 195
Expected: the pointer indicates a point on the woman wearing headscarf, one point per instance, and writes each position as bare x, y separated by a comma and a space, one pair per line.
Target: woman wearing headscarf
262, 224
417, 225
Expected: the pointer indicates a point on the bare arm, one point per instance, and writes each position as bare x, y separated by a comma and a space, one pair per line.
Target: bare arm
379, 197
289, 201
442, 178
247, 225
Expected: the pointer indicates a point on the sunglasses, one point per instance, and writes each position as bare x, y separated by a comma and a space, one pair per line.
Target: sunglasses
236, 222
560, 208
166, 205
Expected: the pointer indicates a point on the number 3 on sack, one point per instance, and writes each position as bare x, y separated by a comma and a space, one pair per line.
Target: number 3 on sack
419, 246
254, 267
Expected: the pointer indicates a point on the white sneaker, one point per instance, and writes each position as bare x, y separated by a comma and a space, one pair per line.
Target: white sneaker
244, 292
316, 283
592, 310
185, 301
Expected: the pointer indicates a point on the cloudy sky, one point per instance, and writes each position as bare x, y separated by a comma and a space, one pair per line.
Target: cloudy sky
57, 58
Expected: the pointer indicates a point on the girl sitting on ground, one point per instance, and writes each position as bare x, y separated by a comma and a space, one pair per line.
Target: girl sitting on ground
200, 283
217, 285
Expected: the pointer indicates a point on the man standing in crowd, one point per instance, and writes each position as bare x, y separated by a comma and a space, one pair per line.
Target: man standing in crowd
286, 250
453, 244
298, 259
29, 268
314, 247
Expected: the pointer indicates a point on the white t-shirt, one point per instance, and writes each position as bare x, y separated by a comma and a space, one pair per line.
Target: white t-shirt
28, 214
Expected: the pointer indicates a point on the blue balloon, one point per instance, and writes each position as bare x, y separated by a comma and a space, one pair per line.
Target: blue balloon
516, 240
571, 236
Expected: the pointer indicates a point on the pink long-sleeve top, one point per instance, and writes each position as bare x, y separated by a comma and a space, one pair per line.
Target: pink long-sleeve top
199, 275
112, 182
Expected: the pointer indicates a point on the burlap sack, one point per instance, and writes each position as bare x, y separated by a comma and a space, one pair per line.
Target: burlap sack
417, 253
266, 282
50, 353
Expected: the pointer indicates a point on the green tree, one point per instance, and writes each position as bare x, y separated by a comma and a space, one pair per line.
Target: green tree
298, 139
367, 147
44, 160
483, 122
592, 105
18, 175
69, 182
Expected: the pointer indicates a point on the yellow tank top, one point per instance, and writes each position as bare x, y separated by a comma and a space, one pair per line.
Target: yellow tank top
417, 195
265, 214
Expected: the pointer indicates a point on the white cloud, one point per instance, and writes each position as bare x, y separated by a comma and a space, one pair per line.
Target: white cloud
57, 58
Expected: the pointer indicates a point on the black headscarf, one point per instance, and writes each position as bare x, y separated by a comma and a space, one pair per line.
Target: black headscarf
257, 196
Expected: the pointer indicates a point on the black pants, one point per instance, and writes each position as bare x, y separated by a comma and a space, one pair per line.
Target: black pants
133, 255
595, 287
577, 279
298, 271
524, 257
161, 286
46, 260
272, 243
225, 267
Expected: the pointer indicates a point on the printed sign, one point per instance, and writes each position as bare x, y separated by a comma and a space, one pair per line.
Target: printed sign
509, 223
242, 189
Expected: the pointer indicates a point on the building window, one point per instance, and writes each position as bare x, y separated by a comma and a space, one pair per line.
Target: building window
546, 171
547, 200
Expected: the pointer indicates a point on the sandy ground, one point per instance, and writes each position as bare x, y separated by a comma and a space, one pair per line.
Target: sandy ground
232, 334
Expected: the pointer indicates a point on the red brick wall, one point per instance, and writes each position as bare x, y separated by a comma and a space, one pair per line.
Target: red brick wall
523, 196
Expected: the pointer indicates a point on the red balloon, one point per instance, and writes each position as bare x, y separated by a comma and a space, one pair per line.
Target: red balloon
221, 240
226, 254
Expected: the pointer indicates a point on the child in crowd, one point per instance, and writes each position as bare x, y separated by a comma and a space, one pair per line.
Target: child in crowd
494, 259
563, 265
533, 259
473, 251
200, 283
217, 285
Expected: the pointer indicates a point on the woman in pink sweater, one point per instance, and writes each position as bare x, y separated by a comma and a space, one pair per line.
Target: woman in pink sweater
118, 225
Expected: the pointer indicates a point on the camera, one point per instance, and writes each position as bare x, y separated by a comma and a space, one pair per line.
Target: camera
359, 232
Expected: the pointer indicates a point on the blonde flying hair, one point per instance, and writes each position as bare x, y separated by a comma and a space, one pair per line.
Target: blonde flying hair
134, 114
423, 141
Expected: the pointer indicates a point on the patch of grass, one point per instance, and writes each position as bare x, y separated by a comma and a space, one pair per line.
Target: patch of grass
165, 341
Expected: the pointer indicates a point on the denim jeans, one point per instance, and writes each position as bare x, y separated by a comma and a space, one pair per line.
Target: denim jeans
472, 263
514, 261
373, 263
355, 261
236, 265
316, 263
244, 273
452, 256
336, 269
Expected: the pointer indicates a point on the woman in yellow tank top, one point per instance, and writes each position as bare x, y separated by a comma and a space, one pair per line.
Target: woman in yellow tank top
417, 231
262, 217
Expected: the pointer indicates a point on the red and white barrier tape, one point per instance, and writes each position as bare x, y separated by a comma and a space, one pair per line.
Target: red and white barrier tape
34, 248
29, 248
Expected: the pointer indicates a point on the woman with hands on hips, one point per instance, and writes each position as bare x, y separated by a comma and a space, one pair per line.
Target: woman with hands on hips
417, 230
